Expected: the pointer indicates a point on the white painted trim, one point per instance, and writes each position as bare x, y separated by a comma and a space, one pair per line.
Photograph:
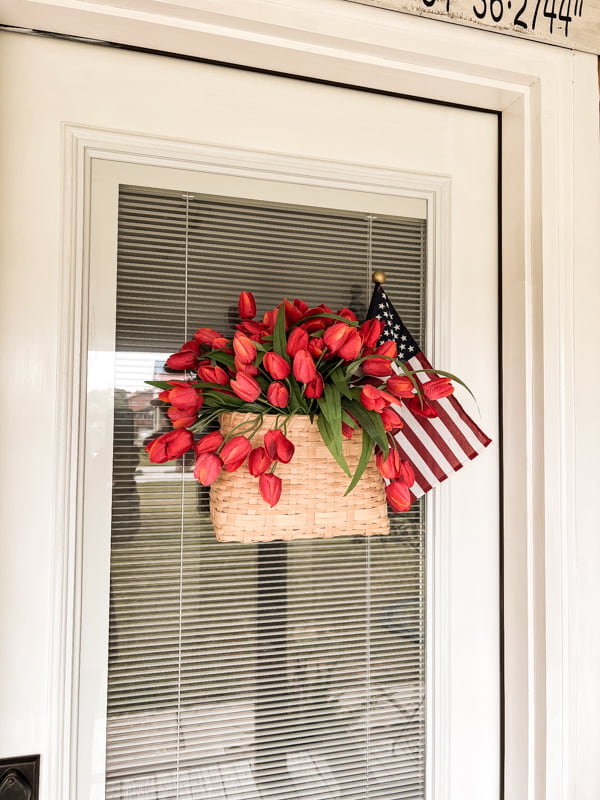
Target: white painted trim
541, 103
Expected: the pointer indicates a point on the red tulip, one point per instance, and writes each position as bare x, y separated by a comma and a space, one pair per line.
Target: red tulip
335, 336
247, 369
276, 366
207, 335
378, 367
212, 374
371, 330
234, 452
351, 346
374, 399
258, 461
347, 313
270, 488
185, 398
407, 473
347, 431
170, 445
437, 388
392, 421
244, 348
292, 313
390, 464
209, 443
245, 387
315, 387
247, 305
398, 496
301, 305
315, 346
278, 394
255, 330
278, 447
304, 367
221, 343
182, 361
298, 340
181, 419
421, 407
269, 320
387, 349
401, 386
208, 466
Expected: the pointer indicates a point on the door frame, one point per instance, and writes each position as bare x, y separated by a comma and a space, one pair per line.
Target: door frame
550, 201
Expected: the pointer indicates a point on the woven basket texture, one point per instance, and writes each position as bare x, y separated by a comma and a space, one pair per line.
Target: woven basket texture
312, 503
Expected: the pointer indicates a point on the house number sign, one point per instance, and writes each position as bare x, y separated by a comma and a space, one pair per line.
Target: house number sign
569, 23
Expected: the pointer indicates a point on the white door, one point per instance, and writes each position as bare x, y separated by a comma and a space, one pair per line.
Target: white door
233, 134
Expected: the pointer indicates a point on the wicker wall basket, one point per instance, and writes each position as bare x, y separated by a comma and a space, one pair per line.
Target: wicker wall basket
312, 503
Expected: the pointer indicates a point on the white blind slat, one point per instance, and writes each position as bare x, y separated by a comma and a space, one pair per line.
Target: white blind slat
299, 678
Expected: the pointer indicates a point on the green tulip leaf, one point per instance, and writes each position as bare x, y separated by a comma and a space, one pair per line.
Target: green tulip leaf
365, 455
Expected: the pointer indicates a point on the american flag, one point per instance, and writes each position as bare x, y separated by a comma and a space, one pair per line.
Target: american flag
435, 446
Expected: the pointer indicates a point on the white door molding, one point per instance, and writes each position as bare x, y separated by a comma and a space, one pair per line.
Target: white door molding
548, 101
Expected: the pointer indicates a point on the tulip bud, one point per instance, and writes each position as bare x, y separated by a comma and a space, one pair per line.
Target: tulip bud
169, 446
208, 466
234, 452
398, 496
258, 461
304, 367
245, 387
374, 399
388, 349
371, 331
392, 421
347, 431
278, 447
181, 419
186, 398
276, 366
207, 335
298, 340
388, 464
336, 335
209, 443
247, 369
247, 305
270, 488
244, 348
421, 407
377, 367
315, 346
315, 387
407, 473
212, 374
278, 394
437, 388
182, 361
351, 346
401, 386
347, 313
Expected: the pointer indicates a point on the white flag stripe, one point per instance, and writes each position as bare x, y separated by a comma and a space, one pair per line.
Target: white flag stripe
415, 457
429, 444
465, 429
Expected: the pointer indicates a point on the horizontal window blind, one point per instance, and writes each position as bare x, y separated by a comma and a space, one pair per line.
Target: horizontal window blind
280, 670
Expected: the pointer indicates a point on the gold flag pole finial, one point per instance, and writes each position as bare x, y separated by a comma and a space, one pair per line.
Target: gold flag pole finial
378, 276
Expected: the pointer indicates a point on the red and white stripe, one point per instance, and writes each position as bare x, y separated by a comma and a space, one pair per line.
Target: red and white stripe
437, 446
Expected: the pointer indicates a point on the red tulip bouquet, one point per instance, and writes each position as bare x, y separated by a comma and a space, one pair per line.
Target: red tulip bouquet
296, 360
